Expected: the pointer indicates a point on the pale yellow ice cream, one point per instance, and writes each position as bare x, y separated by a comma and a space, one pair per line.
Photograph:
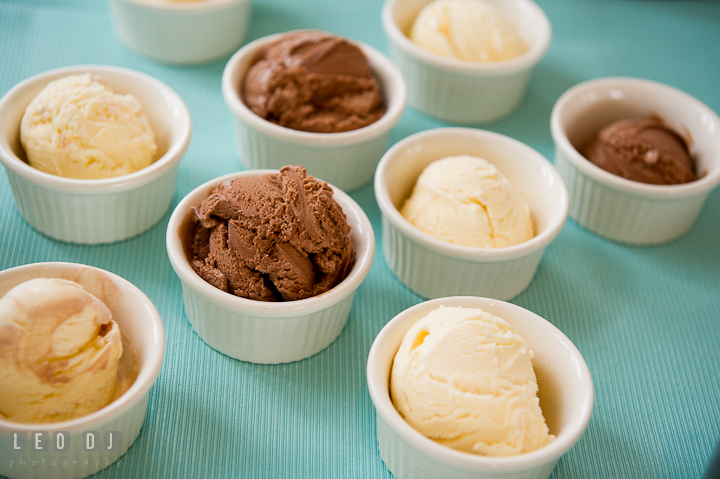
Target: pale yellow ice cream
59, 352
465, 379
78, 128
466, 201
472, 30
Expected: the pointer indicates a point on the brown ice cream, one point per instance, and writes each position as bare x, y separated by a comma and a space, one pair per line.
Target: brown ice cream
644, 150
314, 81
278, 237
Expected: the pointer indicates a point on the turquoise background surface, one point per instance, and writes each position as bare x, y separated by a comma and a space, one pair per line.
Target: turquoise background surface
646, 319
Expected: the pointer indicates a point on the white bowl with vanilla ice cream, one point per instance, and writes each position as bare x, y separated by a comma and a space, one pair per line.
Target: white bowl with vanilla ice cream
464, 235
471, 387
93, 182
80, 349
466, 61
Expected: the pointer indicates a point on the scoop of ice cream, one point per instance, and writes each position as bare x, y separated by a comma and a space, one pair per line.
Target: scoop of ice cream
472, 30
272, 238
59, 352
644, 150
465, 379
314, 81
466, 201
77, 128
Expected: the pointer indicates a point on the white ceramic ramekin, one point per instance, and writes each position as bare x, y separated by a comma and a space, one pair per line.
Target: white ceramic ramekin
97, 211
181, 32
621, 209
460, 91
257, 331
434, 268
142, 328
565, 389
346, 160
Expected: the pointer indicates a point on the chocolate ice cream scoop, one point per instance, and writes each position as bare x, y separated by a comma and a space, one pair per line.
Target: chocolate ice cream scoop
644, 150
277, 237
314, 81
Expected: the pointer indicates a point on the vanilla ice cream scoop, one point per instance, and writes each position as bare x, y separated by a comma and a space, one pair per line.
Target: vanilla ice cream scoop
465, 379
59, 352
472, 30
466, 201
78, 128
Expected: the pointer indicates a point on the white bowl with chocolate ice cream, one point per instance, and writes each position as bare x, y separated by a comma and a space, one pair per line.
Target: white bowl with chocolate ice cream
91, 152
467, 212
311, 98
470, 387
181, 31
80, 349
639, 158
269, 262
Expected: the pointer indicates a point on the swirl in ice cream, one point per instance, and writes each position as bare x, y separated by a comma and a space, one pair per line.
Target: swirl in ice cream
59, 352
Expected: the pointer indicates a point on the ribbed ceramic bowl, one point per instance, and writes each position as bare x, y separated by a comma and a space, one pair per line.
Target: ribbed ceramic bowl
346, 160
96, 211
257, 331
461, 91
181, 32
565, 390
621, 209
434, 268
142, 328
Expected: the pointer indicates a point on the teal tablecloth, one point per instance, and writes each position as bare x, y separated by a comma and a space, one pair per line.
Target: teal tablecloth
646, 319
